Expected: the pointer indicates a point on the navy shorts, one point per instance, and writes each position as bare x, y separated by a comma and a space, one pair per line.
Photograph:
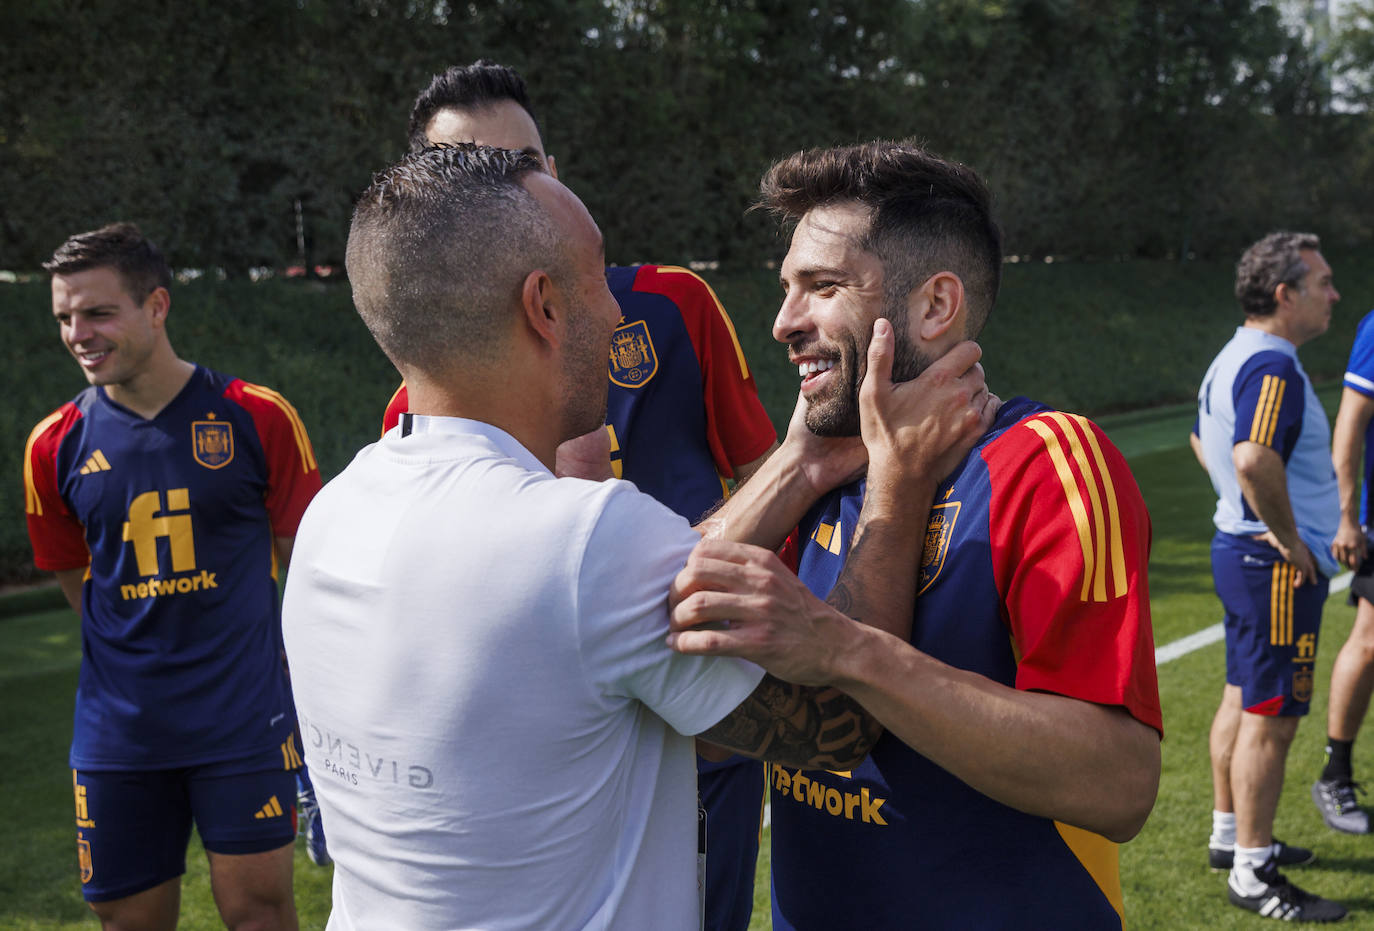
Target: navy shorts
132, 827
1362, 585
732, 793
1271, 625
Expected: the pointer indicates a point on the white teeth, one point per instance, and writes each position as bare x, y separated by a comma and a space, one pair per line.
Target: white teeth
811, 368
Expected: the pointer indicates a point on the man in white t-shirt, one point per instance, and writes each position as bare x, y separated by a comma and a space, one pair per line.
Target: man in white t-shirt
478, 648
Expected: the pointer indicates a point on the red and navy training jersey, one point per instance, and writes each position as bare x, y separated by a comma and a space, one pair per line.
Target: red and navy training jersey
1034, 575
682, 409
174, 518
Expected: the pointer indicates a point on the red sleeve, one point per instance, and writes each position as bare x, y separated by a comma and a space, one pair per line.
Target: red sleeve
1070, 545
293, 477
58, 539
737, 426
398, 405
790, 551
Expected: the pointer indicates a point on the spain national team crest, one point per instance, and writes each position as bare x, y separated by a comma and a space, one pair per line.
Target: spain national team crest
1302, 684
83, 857
938, 533
633, 360
212, 443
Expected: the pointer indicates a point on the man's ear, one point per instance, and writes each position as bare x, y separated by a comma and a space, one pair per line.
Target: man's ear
937, 305
541, 304
553, 167
158, 303
1283, 293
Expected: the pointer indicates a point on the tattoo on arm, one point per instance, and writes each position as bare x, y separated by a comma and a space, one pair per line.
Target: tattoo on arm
842, 599
800, 726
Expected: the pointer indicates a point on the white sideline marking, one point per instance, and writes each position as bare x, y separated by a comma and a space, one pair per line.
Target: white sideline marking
1210, 635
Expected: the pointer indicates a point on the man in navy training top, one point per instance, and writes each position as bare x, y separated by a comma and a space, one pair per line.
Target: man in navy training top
683, 416
166, 498
1264, 439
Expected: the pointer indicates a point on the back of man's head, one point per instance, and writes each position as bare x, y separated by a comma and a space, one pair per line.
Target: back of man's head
927, 214
1274, 260
466, 87
121, 246
439, 247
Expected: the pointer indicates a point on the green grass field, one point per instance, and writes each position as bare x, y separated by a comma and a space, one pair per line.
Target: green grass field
1167, 884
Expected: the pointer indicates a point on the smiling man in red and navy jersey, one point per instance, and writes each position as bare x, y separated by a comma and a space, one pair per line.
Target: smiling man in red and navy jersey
1019, 695
166, 498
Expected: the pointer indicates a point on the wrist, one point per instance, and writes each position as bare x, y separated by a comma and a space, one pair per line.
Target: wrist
906, 486
855, 658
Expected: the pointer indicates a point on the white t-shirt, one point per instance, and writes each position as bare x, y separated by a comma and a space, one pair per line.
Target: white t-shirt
490, 713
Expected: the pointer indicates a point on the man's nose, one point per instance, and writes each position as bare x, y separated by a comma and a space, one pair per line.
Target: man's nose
791, 320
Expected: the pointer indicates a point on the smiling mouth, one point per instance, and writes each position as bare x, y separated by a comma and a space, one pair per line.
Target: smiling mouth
91, 359
814, 366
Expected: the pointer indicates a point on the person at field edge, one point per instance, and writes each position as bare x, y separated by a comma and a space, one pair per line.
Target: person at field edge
1352, 676
683, 416
1265, 442
165, 496
1021, 709
479, 648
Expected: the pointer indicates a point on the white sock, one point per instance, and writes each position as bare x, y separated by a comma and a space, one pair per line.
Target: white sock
1249, 859
1223, 830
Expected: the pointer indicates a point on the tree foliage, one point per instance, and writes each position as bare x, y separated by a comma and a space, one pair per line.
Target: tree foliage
1106, 128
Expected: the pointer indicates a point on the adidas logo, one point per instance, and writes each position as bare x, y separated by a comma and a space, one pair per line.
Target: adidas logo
97, 463
271, 810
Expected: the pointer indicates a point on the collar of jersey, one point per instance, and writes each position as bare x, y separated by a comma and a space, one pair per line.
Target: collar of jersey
442, 428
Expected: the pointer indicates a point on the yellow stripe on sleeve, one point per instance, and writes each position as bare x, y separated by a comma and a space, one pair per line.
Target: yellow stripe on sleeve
297, 428
32, 503
1274, 417
720, 309
1080, 457
1260, 407
1075, 499
1118, 550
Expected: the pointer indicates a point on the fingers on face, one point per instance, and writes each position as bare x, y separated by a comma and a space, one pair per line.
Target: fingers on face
880, 353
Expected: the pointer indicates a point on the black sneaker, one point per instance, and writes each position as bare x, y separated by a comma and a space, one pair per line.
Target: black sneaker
1284, 901
1335, 799
1220, 859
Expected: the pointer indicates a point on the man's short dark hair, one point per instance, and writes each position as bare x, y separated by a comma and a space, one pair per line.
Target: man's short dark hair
440, 245
121, 246
1274, 260
928, 214
467, 87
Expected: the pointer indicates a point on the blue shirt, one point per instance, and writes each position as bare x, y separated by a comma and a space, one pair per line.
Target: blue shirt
1255, 390
1359, 376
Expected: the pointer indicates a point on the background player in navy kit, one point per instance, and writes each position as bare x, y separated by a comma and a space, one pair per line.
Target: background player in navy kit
165, 497
1352, 676
1023, 712
682, 416
1266, 446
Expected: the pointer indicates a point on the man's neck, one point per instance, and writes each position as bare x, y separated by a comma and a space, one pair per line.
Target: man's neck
147, 393
1273, 325
523, 417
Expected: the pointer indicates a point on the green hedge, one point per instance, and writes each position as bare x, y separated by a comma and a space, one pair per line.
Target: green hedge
1094, 338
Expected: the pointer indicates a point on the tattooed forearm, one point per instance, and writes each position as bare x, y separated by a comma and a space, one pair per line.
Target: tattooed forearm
800, 726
